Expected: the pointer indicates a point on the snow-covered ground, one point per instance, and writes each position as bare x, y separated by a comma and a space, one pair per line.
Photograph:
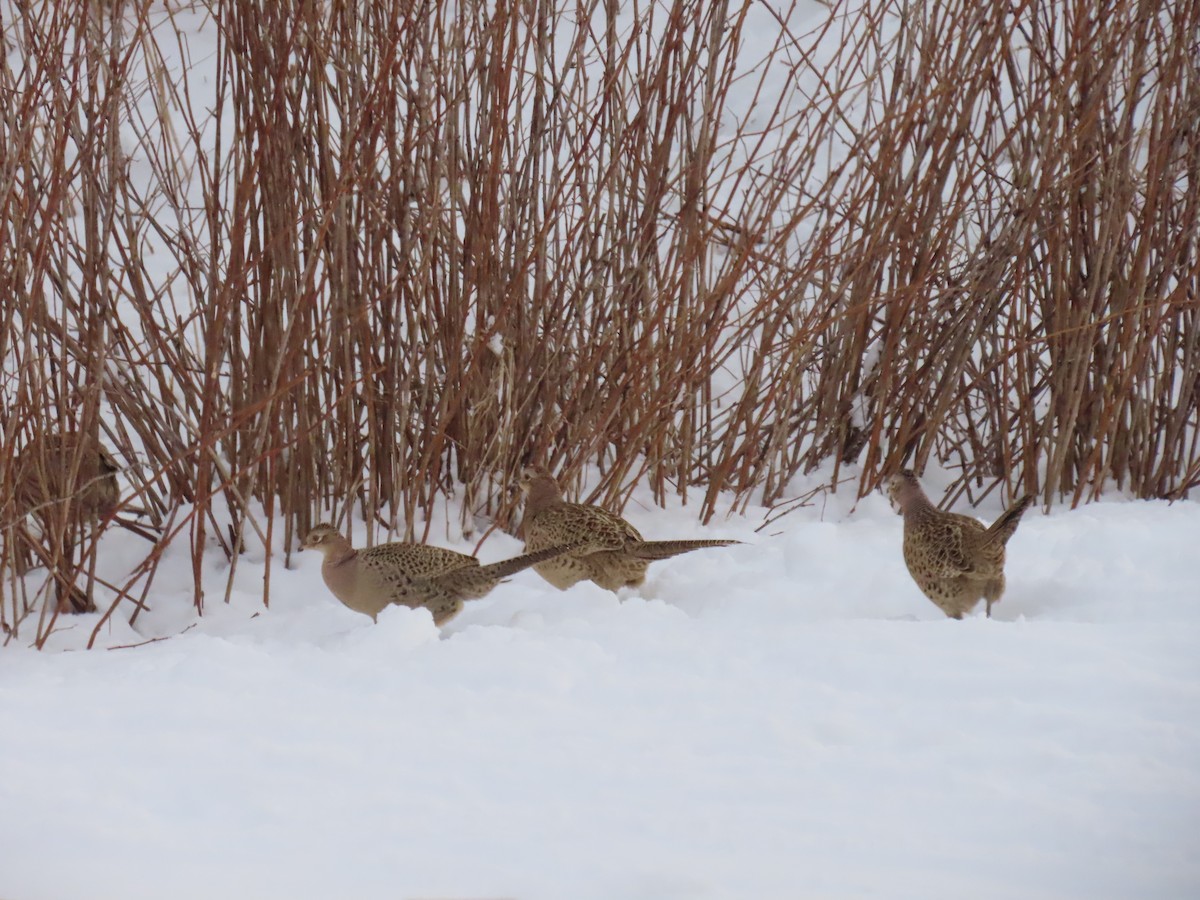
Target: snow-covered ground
789, 718
785, 719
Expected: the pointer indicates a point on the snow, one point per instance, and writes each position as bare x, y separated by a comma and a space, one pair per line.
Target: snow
785, 718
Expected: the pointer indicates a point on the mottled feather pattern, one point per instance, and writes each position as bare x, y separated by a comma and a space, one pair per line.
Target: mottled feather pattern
955, 560
412, 575
610, 552
417, 559
596, 528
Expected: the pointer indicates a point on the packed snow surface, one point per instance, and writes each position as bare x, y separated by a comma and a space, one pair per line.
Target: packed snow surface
788, 718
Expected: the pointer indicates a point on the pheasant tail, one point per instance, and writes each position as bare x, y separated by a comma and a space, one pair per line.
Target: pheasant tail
80, 602
667, 549
480, 576
1002, 529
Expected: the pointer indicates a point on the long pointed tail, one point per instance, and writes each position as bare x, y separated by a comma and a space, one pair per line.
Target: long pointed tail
1002, 529
472, 579
667, 549
507, 567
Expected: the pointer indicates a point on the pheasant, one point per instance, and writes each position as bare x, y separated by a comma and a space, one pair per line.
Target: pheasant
65, 480
955, 560
413, 575
609, 551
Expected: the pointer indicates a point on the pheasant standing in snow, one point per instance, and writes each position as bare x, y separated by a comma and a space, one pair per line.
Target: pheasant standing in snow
66, 480
609, 551
955, 560
413, 575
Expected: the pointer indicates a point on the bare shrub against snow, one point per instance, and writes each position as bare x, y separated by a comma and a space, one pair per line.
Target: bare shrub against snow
290, 257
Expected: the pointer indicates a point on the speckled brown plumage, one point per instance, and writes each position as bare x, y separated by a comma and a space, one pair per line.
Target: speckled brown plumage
955, 560
44, 476
71, 469
413, 575
610, 552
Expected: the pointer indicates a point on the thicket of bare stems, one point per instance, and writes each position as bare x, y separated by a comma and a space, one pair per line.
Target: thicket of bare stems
426, 243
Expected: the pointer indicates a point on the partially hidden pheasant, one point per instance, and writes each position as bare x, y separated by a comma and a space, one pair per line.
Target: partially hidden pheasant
413, 575
610, 552
955, 560
66, 480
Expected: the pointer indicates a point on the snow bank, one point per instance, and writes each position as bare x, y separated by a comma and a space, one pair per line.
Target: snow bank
787, 718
